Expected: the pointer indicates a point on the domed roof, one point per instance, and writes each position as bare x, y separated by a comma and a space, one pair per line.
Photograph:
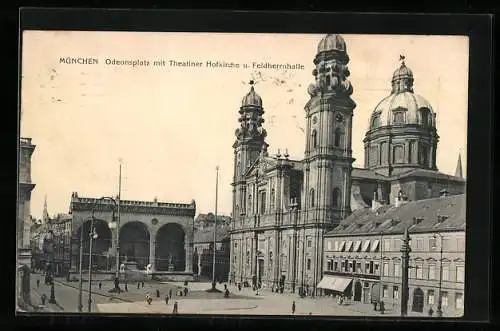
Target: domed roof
332, 42
411, 104
251, 99
402, 72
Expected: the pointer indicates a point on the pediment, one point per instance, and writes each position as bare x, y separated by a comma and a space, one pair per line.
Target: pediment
261, 165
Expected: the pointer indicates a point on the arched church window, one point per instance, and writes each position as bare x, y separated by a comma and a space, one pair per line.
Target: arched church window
375, 121
399, 117
398, 154
424, 155
272, 198
270, 259
336, 197
248, 257
314, 137
328, 80
338, 137
373, 157
424, 116
249, 203
311, 197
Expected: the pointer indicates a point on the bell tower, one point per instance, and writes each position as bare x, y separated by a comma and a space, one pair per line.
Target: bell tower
249, 144
328, 156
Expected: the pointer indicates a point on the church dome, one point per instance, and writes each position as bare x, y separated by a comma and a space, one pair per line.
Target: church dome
251, 99
332, 42
403, 106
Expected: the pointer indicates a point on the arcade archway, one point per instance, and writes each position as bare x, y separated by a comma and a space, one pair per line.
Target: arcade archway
170, 254
134, 243
101, 246
418, 300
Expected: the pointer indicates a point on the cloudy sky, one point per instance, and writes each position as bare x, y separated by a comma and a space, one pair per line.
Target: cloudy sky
171, 126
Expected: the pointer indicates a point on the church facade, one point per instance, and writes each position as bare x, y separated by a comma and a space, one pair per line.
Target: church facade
282, 207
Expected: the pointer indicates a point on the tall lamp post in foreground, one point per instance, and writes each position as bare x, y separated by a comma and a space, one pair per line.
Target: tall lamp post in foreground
439, 311
50, 241
215, 225
405, 250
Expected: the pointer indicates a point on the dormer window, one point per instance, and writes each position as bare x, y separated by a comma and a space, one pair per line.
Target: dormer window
375, 121
399, 117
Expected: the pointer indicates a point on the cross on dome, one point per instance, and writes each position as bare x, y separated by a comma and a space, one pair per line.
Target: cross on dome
402, 59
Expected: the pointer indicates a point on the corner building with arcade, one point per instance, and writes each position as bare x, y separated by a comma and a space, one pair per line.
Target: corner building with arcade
282, 208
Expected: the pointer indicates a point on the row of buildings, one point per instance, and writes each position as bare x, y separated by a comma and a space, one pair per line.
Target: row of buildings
319, 225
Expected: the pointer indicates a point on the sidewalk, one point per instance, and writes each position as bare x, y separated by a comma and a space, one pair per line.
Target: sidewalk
36, 301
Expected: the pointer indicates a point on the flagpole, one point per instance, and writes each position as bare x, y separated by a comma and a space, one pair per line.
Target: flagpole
215, 224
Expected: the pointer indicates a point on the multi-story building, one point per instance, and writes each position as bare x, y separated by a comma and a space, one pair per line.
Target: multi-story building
203, 247
282, 208
363, 259
61, 229
26, 149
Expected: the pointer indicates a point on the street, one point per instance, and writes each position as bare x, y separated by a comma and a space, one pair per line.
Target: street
198, 301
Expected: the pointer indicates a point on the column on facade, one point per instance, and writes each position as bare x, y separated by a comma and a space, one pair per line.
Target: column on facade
152, 253
431, 156
198, 256
188, 248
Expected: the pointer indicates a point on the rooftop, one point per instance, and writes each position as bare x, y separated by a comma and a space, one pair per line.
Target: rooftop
429, 215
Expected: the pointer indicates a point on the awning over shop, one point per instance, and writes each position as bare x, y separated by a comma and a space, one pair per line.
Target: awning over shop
357, 244
374, 245
334, 283
366, 245
348, 246
341, 247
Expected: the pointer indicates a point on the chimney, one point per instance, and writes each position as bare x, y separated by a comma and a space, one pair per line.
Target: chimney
443, 193
375, 202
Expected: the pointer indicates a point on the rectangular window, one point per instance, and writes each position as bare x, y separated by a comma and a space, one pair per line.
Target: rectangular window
263, 202
460, 274
420, 245
342, 267
367, 267
446, 272
432, 244
460, 244
446, 245
375, 268
386, 269
396, 245
309, 244
430, 297
329, 265
329, 245
308, 264
385, 291
336, 246
397, 269
395, 290
418, 271
444, 299
432, 271
371, 267
358, 268
459, 301
350, 267
387, 245
335, 266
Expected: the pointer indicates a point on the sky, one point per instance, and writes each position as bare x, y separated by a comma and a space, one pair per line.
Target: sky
170, 126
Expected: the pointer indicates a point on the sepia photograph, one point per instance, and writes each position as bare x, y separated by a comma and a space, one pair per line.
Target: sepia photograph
242, 174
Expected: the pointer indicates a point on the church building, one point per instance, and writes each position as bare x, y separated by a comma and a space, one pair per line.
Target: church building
282, 207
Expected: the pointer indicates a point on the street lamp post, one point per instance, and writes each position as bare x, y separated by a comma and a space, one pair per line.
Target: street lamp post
380, 267
405, 259
92, 235
80, 284
439, 311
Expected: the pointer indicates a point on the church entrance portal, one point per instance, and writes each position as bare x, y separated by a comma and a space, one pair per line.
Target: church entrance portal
170, 251
134, 243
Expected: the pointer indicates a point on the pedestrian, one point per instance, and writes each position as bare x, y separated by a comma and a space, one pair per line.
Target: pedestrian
185, 291
43, 297
157, 293
431, 311
166, 299
142, 283
100, 285
382, 307
148, 299
126, 287
38, 283
293, 308
170, 293
239, 286
138, 285
175, 310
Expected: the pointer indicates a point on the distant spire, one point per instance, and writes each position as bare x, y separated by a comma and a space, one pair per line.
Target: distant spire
46, 217
458, 170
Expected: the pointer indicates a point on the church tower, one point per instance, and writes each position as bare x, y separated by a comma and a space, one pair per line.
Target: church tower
249, 144
328, 157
